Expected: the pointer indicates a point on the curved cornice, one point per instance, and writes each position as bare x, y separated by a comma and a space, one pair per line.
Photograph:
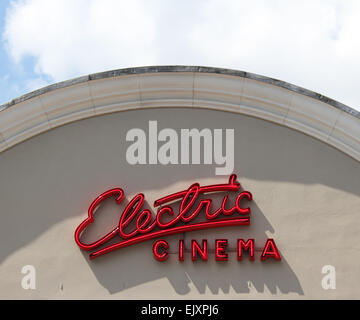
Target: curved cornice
181, 86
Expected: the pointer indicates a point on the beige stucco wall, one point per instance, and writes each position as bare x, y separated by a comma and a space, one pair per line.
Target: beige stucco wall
306, 196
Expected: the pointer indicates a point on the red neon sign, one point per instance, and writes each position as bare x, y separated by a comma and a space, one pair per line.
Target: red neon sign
146, 224
148, 227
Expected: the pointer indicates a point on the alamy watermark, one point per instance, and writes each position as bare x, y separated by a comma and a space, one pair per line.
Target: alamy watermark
162, 147
29, 280
329, 280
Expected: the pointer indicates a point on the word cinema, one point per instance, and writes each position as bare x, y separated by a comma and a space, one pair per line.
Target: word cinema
184, 211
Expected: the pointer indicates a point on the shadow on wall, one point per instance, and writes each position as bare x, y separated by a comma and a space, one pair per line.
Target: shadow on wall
56, 175
131, 266
122, 270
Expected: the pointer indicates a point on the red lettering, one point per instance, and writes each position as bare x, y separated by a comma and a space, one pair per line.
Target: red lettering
146, 227
181, 250
90, 219
242, 195
270, 251
248, 245
131, 210
220, 246
196, 249
156, 246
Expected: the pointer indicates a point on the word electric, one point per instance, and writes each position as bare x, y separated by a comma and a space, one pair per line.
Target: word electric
137, 224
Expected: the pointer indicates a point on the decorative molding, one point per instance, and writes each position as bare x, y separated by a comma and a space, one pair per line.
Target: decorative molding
185, 87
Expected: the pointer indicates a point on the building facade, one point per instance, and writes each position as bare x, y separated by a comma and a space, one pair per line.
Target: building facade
157, 131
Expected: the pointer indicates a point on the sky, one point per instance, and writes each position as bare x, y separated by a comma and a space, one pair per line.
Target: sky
314, 44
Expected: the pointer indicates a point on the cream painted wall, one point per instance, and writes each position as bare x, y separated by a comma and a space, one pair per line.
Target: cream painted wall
306, 197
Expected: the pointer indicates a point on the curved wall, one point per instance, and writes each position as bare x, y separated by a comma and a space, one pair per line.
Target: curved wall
306, 193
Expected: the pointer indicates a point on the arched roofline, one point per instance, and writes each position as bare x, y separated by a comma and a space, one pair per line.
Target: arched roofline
181, 86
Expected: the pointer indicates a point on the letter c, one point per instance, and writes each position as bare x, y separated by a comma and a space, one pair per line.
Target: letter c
157, 255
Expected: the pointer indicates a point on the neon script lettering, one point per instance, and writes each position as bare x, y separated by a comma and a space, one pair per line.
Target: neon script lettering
137, 224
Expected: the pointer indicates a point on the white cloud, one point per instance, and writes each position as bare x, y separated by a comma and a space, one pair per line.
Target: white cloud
74, 37
311, 43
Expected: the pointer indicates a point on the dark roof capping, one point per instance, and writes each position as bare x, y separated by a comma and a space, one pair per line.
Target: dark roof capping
179, 68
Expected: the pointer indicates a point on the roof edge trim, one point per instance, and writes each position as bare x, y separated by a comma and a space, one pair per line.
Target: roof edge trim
182, 68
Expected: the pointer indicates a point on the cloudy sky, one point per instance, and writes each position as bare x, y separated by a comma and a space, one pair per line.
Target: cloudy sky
311, 43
